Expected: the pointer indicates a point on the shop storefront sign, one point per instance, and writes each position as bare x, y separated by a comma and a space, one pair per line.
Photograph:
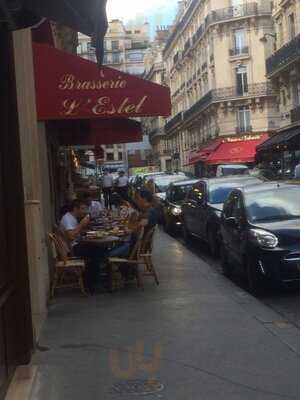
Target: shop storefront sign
70, 87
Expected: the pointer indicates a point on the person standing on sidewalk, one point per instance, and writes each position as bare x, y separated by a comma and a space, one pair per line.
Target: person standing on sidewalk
107, 187
122, 185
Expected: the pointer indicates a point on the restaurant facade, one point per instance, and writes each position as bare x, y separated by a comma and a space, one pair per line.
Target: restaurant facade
42, 109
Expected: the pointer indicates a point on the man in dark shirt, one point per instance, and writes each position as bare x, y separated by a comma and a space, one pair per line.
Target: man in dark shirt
150, 216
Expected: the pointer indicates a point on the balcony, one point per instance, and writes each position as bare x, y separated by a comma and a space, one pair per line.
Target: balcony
239, 51
240, 11
243, 129
173, 122
155, 133
295, 115
140, 45
229, 93
200, 105
252, 90
284, 57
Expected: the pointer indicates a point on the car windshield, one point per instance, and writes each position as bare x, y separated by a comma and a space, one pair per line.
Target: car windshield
272, 205
219, 193
179, 192
163, 183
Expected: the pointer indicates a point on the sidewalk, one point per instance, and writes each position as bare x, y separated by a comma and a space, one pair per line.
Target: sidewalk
196, 336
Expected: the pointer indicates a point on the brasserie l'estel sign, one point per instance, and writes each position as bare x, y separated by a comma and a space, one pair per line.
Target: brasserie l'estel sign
69, 87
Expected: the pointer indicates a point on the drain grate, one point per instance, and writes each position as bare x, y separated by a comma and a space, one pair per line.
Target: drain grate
141, 387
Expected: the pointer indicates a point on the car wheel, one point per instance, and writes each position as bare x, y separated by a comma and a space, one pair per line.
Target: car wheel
226, 267
186, 234
213, 241
256, 280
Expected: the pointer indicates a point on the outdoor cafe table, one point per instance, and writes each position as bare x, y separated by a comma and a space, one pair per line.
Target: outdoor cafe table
103, 242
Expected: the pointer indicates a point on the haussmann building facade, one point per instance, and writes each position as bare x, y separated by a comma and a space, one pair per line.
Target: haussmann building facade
222, 103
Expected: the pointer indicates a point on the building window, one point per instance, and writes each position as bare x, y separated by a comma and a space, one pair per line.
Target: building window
240, 42
135, 57
115, 45
292, 28
120, 156
105, 59
116, 58
244, 119
110, 156
241, 80
137, 32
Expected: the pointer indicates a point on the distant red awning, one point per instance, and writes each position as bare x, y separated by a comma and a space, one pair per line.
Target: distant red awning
202, 154
96, 133
70, 87
236, 150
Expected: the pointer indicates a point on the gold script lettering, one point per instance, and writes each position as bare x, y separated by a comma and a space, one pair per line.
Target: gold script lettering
140, 105
67, 82
99, 108
71, 107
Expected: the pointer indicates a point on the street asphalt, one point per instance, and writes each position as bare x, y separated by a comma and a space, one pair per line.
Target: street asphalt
196, 336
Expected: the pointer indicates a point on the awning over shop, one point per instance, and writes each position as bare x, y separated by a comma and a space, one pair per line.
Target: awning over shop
236, 150
281, 140
203, 154
95, 133
70, 87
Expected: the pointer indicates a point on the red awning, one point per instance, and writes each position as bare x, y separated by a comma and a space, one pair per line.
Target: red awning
93, 132
43, 33
236, 150
70, 87
202, 154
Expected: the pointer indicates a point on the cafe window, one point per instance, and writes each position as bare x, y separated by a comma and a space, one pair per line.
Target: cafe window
120, 156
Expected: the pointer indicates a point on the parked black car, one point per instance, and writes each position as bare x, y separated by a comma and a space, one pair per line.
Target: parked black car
201, 211
175, 196
260, 231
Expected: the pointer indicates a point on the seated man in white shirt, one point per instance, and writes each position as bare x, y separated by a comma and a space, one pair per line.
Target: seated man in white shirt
73, 223
95, 208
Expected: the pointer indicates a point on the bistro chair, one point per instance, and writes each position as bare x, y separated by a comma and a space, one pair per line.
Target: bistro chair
68, 271
146, 255
115, 265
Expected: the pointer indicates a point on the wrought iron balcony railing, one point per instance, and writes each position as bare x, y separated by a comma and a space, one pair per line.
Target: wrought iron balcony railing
252, 90
173, 122
239, 51
241, 10
230, 93
295, 115
286, 55
201, 104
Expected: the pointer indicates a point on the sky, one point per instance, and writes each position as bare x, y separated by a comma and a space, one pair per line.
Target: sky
156, 12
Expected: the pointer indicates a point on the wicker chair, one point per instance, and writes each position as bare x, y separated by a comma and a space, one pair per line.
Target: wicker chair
68, 270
